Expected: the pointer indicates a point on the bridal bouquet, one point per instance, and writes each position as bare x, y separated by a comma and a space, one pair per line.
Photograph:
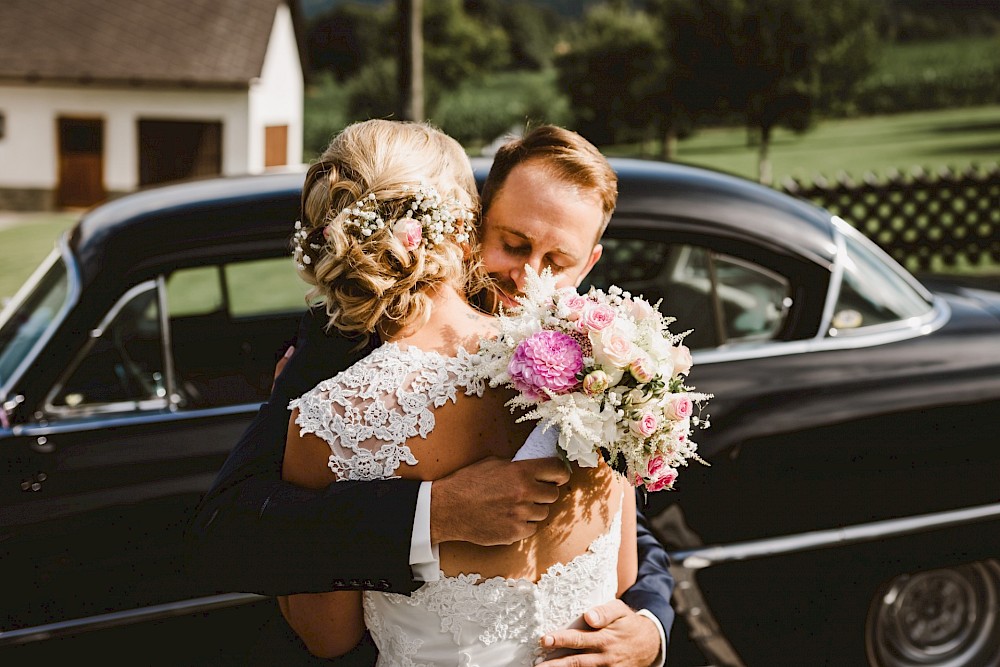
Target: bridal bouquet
606, 372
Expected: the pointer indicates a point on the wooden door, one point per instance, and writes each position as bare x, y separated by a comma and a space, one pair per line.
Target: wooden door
81, 162
174, 150
275, 145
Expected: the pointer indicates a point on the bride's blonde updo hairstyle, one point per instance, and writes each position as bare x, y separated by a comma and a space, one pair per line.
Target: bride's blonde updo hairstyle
370, 282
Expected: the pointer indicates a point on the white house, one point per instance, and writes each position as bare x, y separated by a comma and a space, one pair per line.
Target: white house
101, 98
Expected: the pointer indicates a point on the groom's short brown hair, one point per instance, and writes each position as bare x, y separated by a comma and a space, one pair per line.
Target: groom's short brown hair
567, 155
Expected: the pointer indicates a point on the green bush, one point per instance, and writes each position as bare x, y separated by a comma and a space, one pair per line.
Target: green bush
930, 75
324, 114
481, 110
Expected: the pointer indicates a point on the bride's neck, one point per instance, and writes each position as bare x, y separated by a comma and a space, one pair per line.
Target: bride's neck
449, 323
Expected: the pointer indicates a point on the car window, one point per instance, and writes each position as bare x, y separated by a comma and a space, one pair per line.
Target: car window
722, 300
872, 292
121, 366
26, 322
264, 286
195, 291
228, 325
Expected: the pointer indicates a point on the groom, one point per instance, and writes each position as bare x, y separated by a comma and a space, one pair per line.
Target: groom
546, 202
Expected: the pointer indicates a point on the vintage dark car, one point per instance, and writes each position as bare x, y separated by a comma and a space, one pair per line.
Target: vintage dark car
851, 513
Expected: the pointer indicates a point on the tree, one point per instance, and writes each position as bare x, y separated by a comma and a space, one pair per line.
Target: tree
785, 49
612, 68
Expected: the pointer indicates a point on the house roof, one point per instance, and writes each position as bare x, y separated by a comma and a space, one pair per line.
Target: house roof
202, 43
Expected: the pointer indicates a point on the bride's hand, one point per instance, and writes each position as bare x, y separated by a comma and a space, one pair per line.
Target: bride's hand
493, 501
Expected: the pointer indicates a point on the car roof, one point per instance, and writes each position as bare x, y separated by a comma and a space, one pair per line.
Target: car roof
198, 216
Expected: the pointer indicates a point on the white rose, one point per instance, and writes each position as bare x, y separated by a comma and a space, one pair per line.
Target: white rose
612, 348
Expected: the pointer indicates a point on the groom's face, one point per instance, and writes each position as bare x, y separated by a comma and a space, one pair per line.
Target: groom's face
540, 221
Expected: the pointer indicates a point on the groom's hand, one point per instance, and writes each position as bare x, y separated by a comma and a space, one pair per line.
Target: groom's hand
619, 637
493, 501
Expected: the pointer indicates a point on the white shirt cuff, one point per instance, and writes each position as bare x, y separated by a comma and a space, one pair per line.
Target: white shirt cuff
425, 561
661, 657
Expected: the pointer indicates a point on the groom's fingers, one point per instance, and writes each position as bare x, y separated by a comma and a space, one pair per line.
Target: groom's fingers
493, 501
550, 470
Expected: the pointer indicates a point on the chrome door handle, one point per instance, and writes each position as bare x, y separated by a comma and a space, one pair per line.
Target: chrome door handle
42, 445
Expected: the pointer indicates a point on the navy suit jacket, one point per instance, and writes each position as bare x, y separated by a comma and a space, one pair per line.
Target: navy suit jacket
253, 532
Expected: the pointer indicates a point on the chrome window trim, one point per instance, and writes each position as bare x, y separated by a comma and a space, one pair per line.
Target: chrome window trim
166, 340
72, 297
703, 557
833, 288
132, 419
127, 617
891, 332
845, 228
100, 408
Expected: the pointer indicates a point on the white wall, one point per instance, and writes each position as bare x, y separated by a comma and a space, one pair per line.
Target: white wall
29, 148
276, 98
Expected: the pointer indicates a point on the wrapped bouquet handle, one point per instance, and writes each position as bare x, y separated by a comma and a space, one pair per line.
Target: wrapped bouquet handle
542, 443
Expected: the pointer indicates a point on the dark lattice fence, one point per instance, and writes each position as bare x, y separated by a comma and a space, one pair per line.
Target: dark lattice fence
925, 220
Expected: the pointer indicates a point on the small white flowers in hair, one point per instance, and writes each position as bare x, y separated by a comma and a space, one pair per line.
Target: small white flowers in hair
437, 219
428, 220
299, 253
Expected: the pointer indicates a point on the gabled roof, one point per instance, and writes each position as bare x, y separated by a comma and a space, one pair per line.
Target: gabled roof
203, 43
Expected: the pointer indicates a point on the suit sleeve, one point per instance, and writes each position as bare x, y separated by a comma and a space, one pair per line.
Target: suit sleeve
253, 532
654, 585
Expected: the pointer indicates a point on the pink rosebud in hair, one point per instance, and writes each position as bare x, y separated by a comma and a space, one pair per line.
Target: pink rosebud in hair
409, 232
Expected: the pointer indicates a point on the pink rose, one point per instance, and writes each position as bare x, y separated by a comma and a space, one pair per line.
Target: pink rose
596, 317
612, 349
640, 309
682, 359
596, 382
642, 369
659, 475
666, 481
409, 232
546, 360
678, 407
571, 306
646, 425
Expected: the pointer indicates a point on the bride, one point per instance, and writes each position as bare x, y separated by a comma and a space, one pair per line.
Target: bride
387, 241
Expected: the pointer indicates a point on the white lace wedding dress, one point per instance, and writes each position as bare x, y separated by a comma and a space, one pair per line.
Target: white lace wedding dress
366, 414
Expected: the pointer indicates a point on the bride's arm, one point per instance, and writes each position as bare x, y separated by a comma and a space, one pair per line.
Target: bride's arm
330, 624
628, 559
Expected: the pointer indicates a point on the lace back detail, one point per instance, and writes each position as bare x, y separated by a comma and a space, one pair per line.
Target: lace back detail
495, 621
368, 412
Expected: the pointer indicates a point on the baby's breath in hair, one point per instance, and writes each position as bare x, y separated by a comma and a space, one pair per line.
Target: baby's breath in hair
428, 221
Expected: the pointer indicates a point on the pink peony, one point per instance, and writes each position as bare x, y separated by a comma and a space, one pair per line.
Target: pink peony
596, 317
546, 360
678, 407
409, 232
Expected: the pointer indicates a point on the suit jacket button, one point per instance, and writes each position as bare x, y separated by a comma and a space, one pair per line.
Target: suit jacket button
354, 583
383, 584
368, 584
338, 583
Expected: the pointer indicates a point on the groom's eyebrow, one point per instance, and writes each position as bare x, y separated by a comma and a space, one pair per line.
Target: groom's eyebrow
557, 250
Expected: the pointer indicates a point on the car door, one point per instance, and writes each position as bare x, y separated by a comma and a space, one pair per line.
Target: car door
97, 491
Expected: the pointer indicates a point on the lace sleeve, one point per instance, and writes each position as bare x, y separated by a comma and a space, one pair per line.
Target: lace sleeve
367, 413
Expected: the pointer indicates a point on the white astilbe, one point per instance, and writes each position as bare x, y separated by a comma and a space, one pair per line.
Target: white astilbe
629, 404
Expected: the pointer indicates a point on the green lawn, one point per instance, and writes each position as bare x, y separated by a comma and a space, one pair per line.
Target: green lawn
929, 139
25, 240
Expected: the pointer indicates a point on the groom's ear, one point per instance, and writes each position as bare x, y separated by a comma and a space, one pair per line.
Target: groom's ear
595, 255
